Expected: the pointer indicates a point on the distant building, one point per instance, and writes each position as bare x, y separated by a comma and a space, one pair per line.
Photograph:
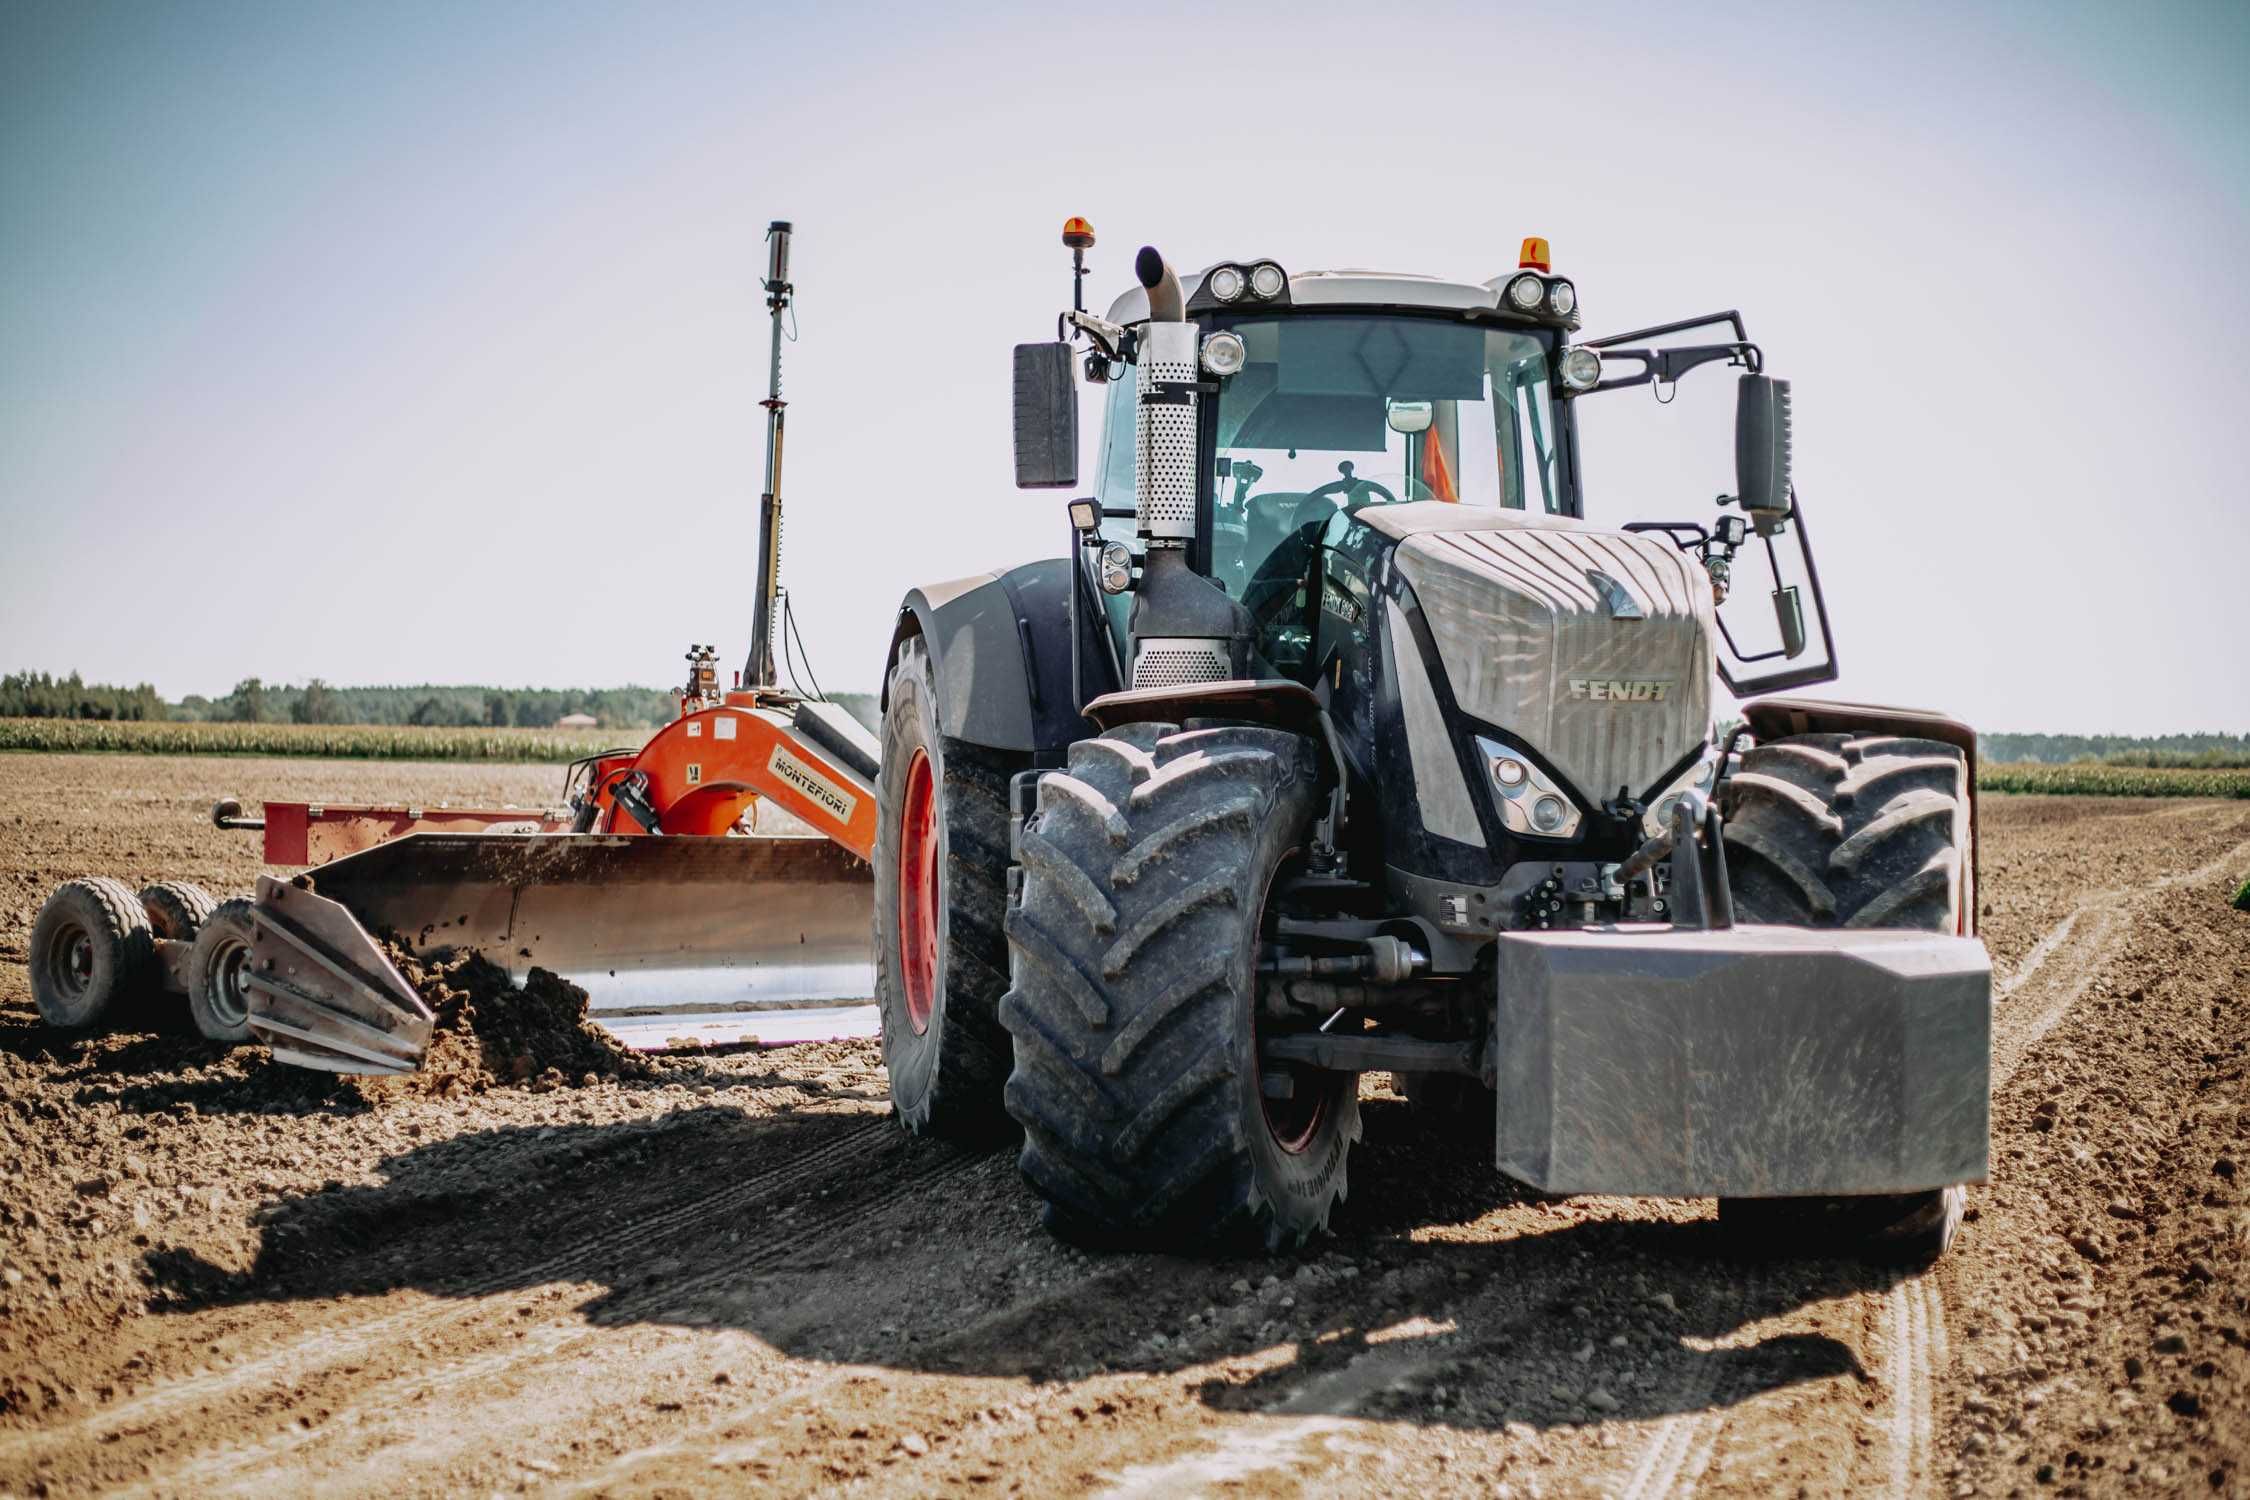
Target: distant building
577, 721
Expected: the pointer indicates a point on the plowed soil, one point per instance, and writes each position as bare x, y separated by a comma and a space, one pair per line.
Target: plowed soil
735, 1274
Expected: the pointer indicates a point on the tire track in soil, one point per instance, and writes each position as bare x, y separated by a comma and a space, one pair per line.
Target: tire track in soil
1916, 1353
491, 1412
2089, 936
1682, 1445
698, 1442
2115, 917
326, 1347
1291, 1431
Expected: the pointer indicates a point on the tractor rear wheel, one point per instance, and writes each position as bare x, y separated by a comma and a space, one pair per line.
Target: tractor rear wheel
1850, 830
941, 962
90, 947
1147, 870
176, 909
218, 964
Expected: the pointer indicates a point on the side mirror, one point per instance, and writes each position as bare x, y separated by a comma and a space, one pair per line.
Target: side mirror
1789, 613
1046, 418
1761, 450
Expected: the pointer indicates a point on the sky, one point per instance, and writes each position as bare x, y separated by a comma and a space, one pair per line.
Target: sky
423, 342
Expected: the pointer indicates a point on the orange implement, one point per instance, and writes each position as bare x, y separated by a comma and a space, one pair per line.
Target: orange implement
703, 773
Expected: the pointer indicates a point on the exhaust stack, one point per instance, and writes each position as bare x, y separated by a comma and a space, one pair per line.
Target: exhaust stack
1183, 629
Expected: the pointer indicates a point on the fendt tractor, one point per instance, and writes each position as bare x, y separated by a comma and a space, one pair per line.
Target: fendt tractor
1342, 741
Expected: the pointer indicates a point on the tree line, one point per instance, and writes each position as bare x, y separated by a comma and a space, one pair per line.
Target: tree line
36, 695
2160, 751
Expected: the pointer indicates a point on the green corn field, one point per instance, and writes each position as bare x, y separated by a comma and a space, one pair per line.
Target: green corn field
322, 741
2096, 780
555, 746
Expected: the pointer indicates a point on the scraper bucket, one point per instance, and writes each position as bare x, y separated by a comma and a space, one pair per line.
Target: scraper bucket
640, 923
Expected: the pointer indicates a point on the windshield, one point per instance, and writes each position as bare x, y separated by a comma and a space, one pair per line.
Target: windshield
1335, 412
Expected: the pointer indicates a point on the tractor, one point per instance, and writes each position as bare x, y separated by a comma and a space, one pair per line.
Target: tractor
1341, 741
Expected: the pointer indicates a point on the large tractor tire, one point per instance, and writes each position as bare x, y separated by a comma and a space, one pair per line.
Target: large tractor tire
217, 970
90, 948
941, 961
1850, 830
1147, 867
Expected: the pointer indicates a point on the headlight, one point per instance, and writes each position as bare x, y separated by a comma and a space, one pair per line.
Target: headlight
1227, 283
1266, 279
1525, 293
1581, 368
1117, 568
1529, 800
1562, 298
1224, 353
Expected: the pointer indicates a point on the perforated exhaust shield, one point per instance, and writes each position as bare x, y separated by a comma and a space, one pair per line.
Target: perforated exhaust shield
1749, 1061
1165, 435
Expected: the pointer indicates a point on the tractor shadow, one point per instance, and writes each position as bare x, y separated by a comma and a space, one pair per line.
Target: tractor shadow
832, 1236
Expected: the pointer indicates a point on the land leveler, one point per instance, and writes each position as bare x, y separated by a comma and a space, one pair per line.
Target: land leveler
652, 885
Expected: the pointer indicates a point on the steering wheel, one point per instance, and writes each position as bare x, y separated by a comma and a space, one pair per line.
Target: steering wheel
1350, 486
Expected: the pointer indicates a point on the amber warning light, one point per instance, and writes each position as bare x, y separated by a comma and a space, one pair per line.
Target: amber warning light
1079, 236
1535, 256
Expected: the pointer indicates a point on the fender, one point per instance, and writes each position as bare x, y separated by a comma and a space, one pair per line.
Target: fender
1000, 645
1771, 718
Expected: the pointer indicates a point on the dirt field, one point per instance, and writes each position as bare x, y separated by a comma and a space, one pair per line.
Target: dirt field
222, 1276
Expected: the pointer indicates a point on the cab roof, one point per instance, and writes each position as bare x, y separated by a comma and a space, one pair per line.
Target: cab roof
1345, 288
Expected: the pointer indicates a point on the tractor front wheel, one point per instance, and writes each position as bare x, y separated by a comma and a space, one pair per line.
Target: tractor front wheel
1850, 830
1148, 868
941, 963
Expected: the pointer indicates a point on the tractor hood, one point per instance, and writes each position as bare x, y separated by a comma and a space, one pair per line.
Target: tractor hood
1592, 646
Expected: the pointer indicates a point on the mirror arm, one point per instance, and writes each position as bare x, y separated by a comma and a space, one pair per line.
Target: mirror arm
1781, 682
1666, 366
1101, 332
1730, 318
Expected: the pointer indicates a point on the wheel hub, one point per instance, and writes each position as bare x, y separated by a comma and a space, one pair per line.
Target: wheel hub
72, 959
918, 893
230, 994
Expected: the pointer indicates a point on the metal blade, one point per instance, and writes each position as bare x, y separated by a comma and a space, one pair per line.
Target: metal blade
643, 924
323, 994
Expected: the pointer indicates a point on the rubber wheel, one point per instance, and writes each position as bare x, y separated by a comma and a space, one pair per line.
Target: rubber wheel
1147, 867
177, 909
941, 960
1843, 830
217, 964
90, 947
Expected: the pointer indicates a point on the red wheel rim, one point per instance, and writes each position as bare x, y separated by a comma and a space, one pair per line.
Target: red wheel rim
1292, 1122
918, 893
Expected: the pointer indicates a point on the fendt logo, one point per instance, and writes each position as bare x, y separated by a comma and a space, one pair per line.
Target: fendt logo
1620, 689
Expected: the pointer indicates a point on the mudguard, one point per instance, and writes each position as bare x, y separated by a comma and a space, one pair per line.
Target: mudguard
1000, 644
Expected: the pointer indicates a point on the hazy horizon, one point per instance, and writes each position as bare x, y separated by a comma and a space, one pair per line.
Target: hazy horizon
423, 343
